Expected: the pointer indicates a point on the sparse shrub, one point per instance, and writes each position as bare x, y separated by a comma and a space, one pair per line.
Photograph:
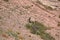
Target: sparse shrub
0, 17
27, 6
48, 7
39, 29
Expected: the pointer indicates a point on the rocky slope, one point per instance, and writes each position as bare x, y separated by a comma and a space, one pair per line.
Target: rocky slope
15, 14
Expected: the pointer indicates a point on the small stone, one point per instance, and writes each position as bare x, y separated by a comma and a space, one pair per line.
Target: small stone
59, 16
29, 35
6, 0
31, 19
58, 0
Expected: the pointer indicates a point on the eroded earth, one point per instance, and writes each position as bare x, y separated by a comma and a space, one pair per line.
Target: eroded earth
15, 14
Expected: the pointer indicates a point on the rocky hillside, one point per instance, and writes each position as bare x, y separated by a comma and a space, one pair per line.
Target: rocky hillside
29, 19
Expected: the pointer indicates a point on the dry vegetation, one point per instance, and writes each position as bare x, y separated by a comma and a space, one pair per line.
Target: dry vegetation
39, 29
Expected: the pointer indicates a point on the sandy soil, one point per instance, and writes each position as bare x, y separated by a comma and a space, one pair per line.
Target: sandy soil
14, 15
